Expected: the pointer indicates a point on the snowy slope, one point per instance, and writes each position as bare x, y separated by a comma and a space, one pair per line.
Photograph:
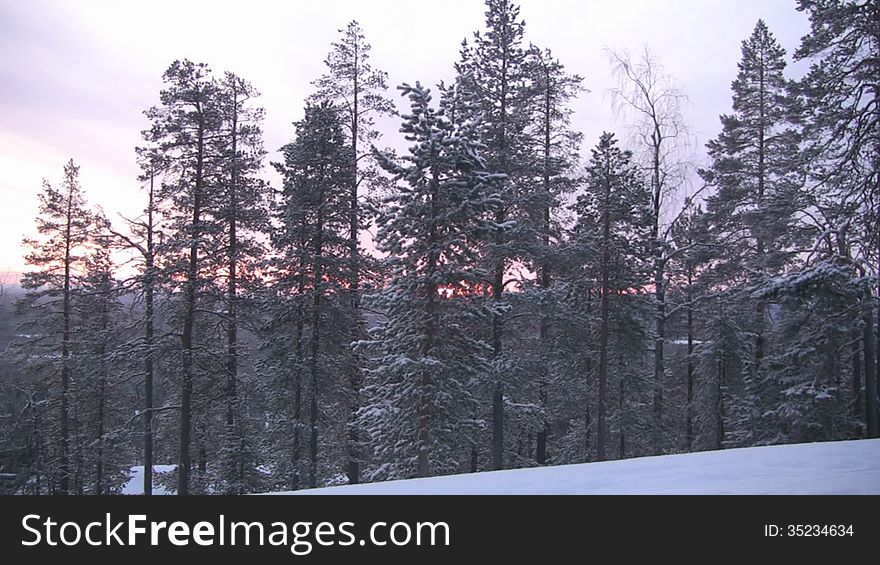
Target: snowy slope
849, 467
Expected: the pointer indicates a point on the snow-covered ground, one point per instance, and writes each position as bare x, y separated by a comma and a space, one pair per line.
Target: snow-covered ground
135, 484
847, 467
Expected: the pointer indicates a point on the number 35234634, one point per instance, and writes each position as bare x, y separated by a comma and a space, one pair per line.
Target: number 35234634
808, 530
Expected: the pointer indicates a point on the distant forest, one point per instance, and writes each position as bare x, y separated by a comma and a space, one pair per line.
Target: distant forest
503, 294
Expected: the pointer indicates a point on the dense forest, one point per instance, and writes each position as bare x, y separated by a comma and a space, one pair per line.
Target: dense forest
503, 294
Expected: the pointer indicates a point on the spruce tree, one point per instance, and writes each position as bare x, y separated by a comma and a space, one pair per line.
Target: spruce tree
426, 361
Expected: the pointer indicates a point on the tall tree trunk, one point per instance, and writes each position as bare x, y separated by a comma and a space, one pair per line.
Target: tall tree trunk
588, 428
875, 338
720, 380
297, 408
588, 370
317, 292
353, 469
498, 393
875, 341
149, 282
544, 279
99, 465
544, 433
313, 418
868, 341
100, 483
232, 282
857, 377
659, 288
621, 407
689, 426
604, 328
201, 453
185, 457
659, 359
297, 398
77, 436
498, 285
426, 382
759, 307
300, 363
497, 352
64, 461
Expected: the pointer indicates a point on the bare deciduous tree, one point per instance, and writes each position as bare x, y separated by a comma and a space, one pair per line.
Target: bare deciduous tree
654, 106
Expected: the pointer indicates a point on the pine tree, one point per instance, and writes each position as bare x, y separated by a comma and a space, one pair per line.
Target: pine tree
427, 362
495, 70
242, 213
688, 256
283, 363
64, 225
185, 130
613, 213
142, 239
356, 91
314, 244
553, 178
754, 171
843, 126
102, 395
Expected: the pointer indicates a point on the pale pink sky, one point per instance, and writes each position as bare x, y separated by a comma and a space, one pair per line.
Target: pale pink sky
76, 76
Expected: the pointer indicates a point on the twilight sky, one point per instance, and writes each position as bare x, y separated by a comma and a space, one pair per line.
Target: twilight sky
75, 77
